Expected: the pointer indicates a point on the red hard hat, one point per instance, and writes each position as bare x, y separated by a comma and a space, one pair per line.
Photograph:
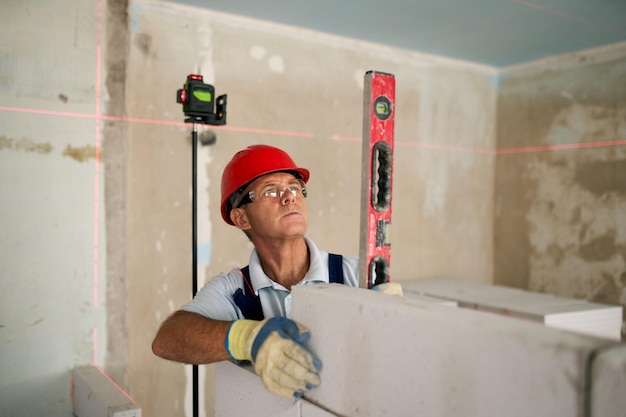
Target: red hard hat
251, 163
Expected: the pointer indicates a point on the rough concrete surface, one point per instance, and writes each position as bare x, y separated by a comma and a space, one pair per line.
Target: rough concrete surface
560, 223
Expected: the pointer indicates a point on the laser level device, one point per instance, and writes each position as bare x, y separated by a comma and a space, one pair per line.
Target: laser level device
199, 102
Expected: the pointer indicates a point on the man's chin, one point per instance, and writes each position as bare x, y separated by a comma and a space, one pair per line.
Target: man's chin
295, 223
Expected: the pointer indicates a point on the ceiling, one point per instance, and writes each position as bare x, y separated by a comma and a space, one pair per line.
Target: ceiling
497, 33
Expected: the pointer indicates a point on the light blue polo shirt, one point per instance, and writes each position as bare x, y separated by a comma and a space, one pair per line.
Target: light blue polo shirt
215, 298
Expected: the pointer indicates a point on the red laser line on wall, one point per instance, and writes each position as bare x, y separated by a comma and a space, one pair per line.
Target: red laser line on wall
96, 197
97, 157
339, 138
447, 148
562, 147
95, 346
48, 112
127, 395
230, 128
153, 121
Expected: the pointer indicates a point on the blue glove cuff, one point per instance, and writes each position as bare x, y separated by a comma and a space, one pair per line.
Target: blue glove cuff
226, 341
286, 329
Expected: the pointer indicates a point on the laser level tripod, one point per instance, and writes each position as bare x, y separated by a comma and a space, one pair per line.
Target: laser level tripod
199, 106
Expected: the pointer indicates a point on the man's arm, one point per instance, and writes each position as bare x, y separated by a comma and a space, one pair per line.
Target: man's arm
274, 346
191, 338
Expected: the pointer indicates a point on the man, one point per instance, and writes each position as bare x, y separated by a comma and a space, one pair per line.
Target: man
244, 314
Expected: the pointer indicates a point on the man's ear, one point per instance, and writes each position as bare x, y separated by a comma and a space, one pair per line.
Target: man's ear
239, 218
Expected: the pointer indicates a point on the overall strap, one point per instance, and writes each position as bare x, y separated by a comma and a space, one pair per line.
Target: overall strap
247, 301
335, 268
250, 304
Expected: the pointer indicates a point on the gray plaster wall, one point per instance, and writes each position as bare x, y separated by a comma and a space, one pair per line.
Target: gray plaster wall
560, 192
95, 175
52, 205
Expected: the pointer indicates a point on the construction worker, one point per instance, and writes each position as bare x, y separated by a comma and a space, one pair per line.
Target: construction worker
243, 315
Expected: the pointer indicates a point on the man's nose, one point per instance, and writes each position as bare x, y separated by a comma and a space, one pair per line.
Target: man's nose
287, 196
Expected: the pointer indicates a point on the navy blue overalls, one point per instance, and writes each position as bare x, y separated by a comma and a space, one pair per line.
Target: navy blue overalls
250, 304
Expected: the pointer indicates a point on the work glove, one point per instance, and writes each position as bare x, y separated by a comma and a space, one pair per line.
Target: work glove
392, 288
274, 346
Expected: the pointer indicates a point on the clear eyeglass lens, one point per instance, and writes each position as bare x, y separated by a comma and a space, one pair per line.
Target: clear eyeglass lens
273, 193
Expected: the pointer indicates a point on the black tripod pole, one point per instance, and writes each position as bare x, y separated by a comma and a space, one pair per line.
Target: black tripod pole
194, 246
199, 106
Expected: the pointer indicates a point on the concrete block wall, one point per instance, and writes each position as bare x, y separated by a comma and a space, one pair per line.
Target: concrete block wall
385, 355
240, 392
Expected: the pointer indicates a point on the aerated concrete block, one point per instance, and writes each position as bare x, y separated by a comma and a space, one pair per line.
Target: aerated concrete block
389, 356
96, 395
607, 383
581, 316
240, 392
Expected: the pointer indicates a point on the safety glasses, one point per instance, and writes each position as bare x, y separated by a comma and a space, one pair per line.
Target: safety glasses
273, 192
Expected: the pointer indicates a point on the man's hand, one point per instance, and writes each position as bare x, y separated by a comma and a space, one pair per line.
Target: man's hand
274, 346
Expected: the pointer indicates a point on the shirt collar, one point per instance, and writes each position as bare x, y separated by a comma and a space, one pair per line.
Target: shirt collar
317, 273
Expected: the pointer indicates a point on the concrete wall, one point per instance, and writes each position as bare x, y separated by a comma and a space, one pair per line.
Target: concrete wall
52, 209
560, 190
95, 175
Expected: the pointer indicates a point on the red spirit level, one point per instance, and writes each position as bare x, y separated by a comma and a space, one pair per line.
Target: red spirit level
377, 177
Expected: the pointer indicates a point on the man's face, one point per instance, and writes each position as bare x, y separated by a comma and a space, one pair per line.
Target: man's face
278, 209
